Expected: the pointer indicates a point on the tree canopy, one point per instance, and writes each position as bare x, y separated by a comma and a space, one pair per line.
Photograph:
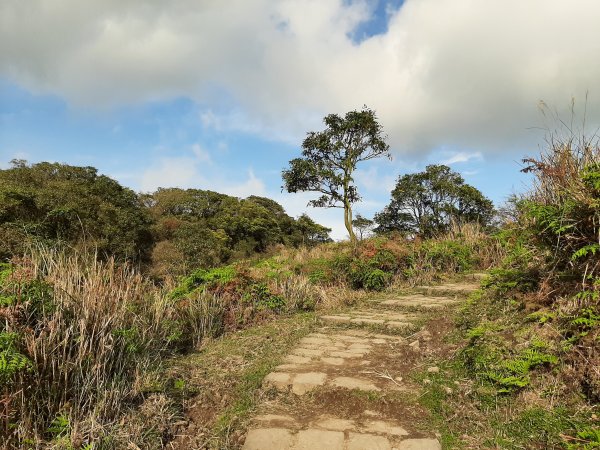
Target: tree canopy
170, 231
426, 203
329, 158
74, 205
197, 228
363, 225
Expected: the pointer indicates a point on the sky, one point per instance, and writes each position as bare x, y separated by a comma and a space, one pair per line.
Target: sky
219, 95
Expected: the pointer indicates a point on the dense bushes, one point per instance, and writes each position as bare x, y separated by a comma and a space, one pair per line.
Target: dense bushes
73, 205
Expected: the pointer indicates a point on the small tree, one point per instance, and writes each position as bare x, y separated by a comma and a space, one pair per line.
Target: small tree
426, 203
363, 225
312, 233
329, 158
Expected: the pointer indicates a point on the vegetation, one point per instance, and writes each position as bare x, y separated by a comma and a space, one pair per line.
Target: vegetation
530, 335
329, 158
194, 228
427, 203
169, 232
363, 226
73, 205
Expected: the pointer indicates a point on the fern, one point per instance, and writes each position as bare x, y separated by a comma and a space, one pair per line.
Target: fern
11, 360
587, 439
11, 363
585, 251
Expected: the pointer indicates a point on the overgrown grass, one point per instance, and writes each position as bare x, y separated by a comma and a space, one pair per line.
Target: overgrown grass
76, 335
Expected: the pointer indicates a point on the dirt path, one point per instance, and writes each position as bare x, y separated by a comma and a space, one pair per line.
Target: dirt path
346, 386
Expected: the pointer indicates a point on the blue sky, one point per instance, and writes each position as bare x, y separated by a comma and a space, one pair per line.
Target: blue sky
153, 96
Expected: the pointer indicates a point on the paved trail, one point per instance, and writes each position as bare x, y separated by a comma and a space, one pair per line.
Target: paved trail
343, 387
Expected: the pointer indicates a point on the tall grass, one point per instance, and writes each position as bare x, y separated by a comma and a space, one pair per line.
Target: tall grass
564, 206
88, 329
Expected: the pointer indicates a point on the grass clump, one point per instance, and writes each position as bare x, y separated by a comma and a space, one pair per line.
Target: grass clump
74, 341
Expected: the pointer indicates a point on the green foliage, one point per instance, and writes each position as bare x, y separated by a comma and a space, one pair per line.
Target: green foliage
196, 228
427, 203
131, 339
53, 202
586, 439
506, 281
363, 225
375, 280
330, 157
60, 426
12, 361
204, 278
535, 428
260, 295
448, 255
586, 319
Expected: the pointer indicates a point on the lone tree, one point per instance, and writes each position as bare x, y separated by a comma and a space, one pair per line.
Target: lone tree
363, 225
329, 158
426, 203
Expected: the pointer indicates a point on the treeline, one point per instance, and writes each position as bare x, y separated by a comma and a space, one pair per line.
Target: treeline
169, 231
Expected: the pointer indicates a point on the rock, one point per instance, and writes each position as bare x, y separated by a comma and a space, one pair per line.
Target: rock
333, 361
420, 444
426, 335
315, 439
380, 426
415, 346
279, 380
335, 424
433, 370
304, 382
354, 383
268, 438
367, 441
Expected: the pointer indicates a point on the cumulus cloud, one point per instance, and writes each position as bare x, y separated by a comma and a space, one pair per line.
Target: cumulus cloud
456, 73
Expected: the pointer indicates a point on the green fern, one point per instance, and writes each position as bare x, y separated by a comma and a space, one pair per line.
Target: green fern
586, 251
588, 439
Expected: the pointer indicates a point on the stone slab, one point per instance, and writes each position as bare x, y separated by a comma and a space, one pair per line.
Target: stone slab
334, 361
304, 382
269, 439
335, 424
319, 440
367, 441
342, 319
381, 426
420, 444
280, 380
354, 383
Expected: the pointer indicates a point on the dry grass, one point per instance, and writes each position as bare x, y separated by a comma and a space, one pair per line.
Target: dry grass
89, 329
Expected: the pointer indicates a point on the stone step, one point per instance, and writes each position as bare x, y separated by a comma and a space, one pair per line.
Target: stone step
328, 439
335, 360
386, 319
463, 287
416, 301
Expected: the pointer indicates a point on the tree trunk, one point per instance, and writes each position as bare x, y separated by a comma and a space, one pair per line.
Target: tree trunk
348, 222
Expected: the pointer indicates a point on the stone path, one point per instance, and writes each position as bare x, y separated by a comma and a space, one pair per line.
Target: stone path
329, 392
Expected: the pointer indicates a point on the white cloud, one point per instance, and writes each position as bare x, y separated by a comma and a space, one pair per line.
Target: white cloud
171, 172
252, 186
462, 157
460, 73
202, 155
